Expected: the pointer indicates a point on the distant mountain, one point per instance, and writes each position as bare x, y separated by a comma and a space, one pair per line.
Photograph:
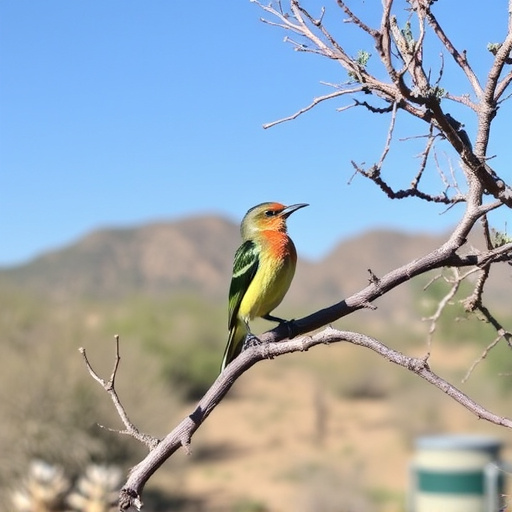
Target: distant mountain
195, 255
345, 270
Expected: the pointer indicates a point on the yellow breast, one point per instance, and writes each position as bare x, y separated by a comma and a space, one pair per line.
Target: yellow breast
272, 280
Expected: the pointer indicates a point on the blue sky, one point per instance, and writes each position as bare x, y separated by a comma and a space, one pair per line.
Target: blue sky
118, 113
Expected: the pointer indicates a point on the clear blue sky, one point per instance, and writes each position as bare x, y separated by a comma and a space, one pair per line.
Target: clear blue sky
118, 113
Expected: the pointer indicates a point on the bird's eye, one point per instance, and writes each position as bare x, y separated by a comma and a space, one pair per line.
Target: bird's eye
270, 213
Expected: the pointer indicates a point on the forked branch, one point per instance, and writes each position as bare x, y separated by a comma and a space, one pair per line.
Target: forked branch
109, 386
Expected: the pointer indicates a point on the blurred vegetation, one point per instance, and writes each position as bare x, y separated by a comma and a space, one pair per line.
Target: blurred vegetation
457, 328
170, 354
184, 335
248, 505
455, 325
50, 406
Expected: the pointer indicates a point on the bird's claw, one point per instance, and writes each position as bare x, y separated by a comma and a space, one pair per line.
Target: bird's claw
251, 341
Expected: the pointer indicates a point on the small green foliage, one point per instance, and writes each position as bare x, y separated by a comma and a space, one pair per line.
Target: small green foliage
437, 92
500, 238
407, 33
493, 47
361, 59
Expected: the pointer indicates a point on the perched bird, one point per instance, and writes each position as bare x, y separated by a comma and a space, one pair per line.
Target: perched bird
262, 271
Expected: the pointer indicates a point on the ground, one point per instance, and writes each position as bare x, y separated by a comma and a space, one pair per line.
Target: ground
283, 441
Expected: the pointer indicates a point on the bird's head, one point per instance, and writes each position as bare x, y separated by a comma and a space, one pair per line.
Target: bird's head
267, 217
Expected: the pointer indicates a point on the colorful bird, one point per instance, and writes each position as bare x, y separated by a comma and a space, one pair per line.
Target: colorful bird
262, 271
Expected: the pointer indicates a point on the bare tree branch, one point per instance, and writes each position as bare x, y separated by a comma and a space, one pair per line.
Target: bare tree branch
484, 354
459, 58
407, 89
455, 281
313, 104
503, 334
423, 101
132, 490
109, 387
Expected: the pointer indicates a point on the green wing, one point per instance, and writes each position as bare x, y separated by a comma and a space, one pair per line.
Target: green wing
245, 267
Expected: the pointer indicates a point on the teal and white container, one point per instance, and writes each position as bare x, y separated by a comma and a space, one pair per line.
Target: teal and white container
457, 473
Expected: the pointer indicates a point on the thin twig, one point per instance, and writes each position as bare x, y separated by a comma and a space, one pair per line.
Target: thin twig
389, 137
483, 355
109, 387
424, 158
313, 104
502, 334
459, 58
442, 304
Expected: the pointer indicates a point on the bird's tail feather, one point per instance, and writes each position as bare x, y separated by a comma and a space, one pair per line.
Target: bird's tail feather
235, 343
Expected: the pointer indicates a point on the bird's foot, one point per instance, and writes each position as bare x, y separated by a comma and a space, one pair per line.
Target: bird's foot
251, 341
271, 318
291, 325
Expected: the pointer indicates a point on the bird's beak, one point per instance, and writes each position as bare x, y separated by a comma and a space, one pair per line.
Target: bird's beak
293, 208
